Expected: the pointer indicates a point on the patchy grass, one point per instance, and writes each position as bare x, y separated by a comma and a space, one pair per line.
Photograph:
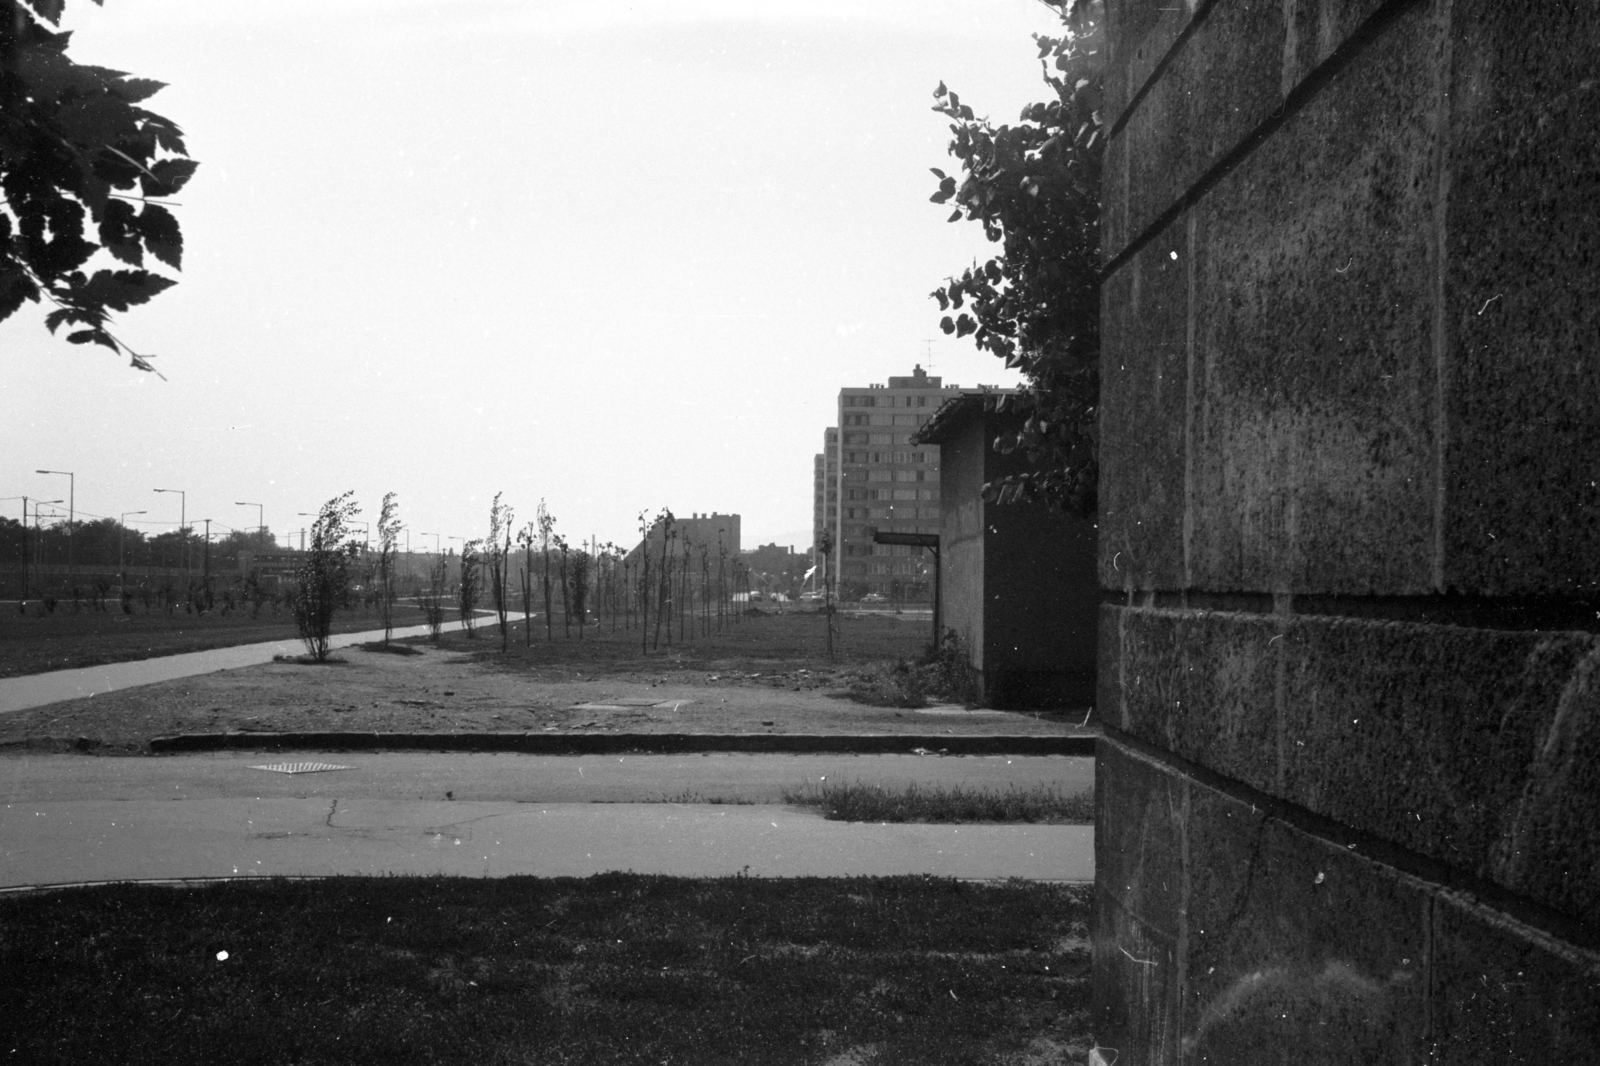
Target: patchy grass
65, 639
783, 650
618, 968
394, 647
856, 802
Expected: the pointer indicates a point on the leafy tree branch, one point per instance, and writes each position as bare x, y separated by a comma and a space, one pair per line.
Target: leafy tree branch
1035, 189
80, 159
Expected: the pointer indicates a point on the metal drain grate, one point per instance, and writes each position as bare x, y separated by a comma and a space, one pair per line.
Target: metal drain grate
300, 767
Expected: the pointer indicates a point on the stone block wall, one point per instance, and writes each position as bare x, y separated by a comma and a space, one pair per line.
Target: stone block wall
1350, 534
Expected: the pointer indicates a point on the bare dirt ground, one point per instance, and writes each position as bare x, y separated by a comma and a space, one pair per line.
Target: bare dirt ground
764, 680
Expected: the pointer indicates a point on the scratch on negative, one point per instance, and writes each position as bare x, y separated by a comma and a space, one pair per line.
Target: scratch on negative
1347, 266
1489, 301
1141, 962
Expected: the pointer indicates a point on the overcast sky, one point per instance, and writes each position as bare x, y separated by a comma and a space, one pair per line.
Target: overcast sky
617, 256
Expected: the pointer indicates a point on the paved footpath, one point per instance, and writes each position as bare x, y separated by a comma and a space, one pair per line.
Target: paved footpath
37, 690
67, 819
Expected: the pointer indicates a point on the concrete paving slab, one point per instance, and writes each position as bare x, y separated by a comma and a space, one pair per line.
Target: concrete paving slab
731, 778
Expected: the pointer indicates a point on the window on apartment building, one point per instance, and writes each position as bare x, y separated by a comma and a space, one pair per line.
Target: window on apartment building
927, 494
880, 438
905, 420
853, 438
875, 475
905, 494
855, 475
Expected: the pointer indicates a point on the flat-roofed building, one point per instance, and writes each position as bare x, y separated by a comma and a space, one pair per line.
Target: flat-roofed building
884, 482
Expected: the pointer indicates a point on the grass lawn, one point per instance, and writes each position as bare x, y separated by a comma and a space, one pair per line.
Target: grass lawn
852, 801
63, 639
757, 643
619, 968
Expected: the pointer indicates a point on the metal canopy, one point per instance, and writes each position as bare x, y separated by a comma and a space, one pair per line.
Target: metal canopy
931, 542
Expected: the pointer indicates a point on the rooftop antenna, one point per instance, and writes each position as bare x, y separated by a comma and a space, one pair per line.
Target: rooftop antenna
929, 359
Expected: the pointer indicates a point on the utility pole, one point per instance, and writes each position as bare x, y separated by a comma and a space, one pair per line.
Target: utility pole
183, 523
72, 496
122, 537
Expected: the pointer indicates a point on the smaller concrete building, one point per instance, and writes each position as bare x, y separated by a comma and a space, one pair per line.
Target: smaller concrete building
1017, 580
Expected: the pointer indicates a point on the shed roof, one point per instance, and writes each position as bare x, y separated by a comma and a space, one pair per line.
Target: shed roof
956, 411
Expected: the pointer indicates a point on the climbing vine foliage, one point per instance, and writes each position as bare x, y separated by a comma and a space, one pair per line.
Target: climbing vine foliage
1035, 189
83, 168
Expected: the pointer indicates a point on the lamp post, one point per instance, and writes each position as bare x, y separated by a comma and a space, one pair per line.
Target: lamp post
183, 519
435, 537
38, 538
122, 536
306, 514
261, 523
72, 496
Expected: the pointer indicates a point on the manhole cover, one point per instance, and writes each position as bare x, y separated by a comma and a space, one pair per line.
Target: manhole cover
300, 767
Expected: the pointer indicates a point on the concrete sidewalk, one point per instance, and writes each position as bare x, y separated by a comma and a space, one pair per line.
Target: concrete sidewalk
66, 819
38, 690
56, 843
69, 820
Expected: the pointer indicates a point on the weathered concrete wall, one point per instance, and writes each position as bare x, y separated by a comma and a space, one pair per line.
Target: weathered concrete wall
961, 540
1350, 533
1018, 579
1040, 597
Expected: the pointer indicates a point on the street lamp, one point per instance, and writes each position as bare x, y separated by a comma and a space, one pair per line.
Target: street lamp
72, 495
183, 524
261, 523
435, 537
38, 538
122, 536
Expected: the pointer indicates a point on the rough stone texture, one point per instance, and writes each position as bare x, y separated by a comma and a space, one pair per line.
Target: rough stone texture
1143, 375
1314, 451
1476, 748
1297, 943
1505, 997
1204, 685
1316, 30
1267, 941
1136, 994
1369, 379
1139, 899
1522, 505
1223, 83
1138, 847
1139, 33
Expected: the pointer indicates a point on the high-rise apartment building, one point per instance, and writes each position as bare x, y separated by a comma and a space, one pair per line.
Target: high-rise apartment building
825, 496
883, 482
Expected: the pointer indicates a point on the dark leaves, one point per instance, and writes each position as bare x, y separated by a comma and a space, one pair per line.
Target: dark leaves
1034, 188
122, 289
119, 234
72, 134
167, 176
161, 235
